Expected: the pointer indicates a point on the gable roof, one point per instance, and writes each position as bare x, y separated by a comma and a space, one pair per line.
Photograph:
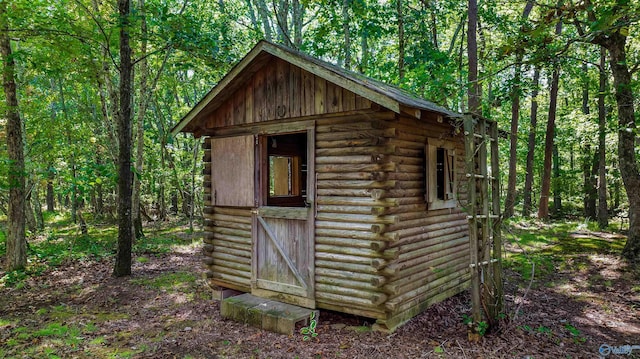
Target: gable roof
393, 98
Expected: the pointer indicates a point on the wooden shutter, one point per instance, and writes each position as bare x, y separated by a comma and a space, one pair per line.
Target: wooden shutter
232, 171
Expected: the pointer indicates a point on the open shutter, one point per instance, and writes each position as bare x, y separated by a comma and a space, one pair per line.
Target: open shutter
232, 171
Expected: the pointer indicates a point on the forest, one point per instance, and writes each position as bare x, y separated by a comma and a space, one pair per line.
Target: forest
93, 88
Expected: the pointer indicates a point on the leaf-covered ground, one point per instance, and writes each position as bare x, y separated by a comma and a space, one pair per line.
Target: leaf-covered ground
581, 297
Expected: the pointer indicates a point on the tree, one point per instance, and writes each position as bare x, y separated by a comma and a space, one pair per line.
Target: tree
603, 216
125, 180
510, 201
473, 90
16, 240
543, 207
531, 145
607, 25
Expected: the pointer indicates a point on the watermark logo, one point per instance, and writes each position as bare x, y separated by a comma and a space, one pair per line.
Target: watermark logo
606, 349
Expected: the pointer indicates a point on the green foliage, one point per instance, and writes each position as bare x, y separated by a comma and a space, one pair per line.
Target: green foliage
309, 332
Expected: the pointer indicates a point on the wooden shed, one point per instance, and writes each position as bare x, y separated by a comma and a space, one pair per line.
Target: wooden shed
326, 189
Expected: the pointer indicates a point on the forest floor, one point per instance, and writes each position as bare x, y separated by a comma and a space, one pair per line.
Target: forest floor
67, 304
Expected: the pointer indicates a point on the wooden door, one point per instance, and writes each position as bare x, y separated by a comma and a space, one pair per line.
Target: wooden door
283, 238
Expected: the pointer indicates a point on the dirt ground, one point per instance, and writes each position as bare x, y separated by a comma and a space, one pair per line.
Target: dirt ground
165, 311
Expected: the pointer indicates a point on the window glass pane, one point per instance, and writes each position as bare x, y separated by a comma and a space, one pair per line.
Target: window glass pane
280, 175
440, 173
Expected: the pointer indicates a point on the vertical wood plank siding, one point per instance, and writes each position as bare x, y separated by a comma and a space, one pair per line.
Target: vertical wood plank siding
281, 91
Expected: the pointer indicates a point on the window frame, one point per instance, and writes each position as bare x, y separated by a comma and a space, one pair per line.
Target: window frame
300, 176
450, 199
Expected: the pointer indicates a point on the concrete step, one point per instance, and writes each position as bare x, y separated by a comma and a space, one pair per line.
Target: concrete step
265, 313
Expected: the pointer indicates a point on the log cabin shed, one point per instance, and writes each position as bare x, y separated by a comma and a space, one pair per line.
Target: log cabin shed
329, 190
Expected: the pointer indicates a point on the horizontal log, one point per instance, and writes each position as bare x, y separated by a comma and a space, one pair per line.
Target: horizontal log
217, 216
231, 231
379, 194
243, 273
343, 258
225, 257
207, 260
421, 224
402, 160
350, 135
350, 167
343, 209
439, 236
360, 159
208, 274
409, 283
408, 237
344, 226
417, 207
207, 211
360, 150
409, 152
327, 141
329, 263
232, 225
373, 298
337, 234
374, 280
356, 218
351, 201
345, 283
407, 144
404, 176
228, 238
413, 307
355, 184
394, 303
207, 248
354, 309
236, 280
432, 264
232, 245
351, 126
234, 211
360, 252
354, 116
234, 252
350, 242
365, 176
229, 264
438, 249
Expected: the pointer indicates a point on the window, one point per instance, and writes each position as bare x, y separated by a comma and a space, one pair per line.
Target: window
286, 170
440, 174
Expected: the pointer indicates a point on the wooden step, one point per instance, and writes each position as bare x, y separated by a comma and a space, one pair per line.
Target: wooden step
265, 313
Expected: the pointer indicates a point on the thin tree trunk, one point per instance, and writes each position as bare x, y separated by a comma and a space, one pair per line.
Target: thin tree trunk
16, 245
263, 12
28, 210
543, 208
589, 189
298, 21
122, 265
603, 215
510, 201
531, 145
37, 206
142, 109
51, 200
401, 40
557, 191
473, 89
347, 34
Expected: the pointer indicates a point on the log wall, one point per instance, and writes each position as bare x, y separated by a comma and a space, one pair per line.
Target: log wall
379, 252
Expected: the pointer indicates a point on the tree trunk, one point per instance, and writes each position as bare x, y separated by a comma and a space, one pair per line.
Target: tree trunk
122, 265
298, 22
16, 252
51, 199
531, 145
401, 40
196, 150
603, 215
627, 133
589, 189
37, 206
142, 109
543, 208
510, 201
28, 211
347, 34
263, 12
473, 89
557, 192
